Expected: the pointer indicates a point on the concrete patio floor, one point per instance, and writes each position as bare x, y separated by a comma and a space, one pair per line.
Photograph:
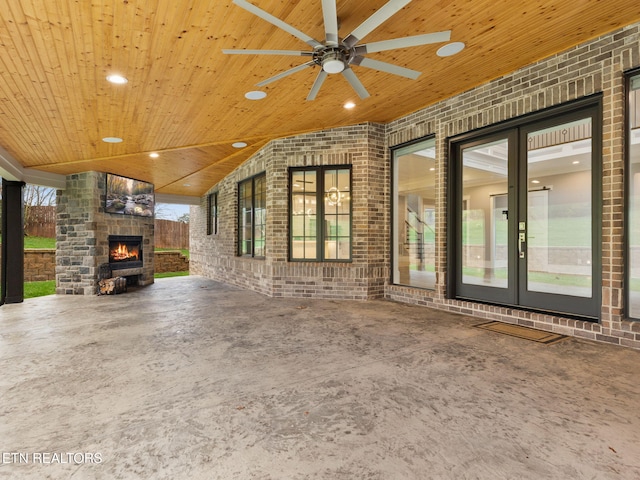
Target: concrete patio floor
193, 379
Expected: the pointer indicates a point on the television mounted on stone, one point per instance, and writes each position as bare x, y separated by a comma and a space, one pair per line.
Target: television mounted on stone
126, 196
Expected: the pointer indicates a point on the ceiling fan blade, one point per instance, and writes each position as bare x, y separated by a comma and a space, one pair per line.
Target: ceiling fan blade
386, 67
374, 21
295, 53
317, 84
405, 42
330, 13
249, 7
285, 74
355, 83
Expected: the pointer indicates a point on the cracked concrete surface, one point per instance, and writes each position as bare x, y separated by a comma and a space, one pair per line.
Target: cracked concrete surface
194, 379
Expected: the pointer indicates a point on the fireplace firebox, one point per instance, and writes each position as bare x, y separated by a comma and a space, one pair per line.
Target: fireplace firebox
125, 251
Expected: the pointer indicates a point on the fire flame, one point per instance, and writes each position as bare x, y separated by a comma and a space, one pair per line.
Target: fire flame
121, 252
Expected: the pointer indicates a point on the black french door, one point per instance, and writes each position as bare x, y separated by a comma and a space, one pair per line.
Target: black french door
526, 213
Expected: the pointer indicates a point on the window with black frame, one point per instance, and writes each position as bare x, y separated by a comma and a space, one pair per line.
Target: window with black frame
212, 216
252, 203
633, 200
320, 206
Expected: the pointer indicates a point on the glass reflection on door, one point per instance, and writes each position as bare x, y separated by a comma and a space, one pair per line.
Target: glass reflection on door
485, 214
633, 202
559, 214
414, 213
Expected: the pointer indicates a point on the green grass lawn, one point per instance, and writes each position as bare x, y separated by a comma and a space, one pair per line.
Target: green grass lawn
40, 289
561, 232
171, 274
39, 242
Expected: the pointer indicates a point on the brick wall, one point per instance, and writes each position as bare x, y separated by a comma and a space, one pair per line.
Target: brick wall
361, 146
594, 67
40, 265
170, 262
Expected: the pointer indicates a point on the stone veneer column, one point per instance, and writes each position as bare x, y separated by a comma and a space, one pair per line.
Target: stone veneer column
82, 232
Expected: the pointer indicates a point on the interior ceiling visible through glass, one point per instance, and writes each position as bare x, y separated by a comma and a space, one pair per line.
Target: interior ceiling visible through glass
418, 170
489, 161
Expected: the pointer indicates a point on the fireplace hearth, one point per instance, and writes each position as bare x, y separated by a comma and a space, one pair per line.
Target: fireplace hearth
125, 251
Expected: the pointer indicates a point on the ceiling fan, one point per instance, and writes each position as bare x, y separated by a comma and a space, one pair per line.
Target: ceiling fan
336, 55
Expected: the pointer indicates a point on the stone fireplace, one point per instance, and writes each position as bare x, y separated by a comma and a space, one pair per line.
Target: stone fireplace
84, 232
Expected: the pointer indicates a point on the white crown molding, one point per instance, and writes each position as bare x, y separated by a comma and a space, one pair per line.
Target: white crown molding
46, 179
10, 169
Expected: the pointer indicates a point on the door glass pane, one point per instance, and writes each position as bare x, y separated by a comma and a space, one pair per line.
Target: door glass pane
559, 221
414, 234
1, 259
634, 198
484, 214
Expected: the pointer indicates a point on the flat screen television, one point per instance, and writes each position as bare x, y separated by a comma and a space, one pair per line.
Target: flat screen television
126, 196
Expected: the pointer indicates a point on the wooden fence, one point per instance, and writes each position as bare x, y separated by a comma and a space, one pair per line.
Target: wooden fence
170, 234
41, 222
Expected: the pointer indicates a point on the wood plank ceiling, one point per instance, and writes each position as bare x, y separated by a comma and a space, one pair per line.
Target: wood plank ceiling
185, 98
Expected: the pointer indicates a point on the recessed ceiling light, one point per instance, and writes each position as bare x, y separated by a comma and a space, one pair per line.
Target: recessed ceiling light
576, 162
186, 185
535, 181
117, 79
450, 49
255, 95
239, 145
112, 140
349, 105
154, 155
432, 169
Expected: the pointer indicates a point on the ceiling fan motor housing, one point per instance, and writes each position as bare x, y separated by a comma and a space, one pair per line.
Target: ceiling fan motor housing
332, 59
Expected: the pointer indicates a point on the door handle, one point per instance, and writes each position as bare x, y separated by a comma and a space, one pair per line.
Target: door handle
521, 242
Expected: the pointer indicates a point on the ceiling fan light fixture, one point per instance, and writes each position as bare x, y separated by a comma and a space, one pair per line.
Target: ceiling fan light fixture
333, 62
